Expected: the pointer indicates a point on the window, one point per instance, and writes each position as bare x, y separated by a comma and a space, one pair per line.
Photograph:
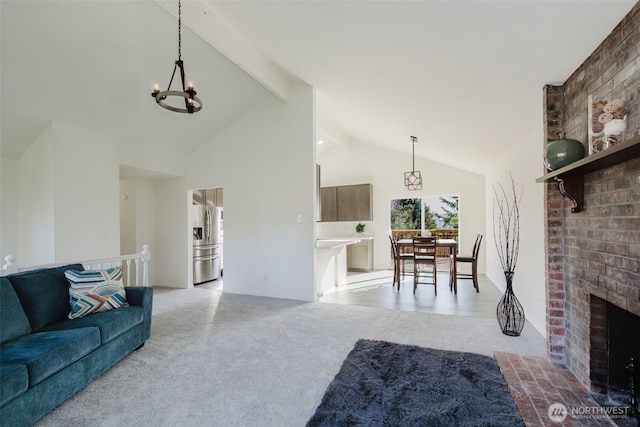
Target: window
436, 214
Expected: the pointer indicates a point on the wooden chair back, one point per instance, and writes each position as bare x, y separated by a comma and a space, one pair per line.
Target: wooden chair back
424, 247
476, 247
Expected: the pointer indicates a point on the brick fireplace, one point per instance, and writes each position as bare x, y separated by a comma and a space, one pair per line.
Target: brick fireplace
593, 256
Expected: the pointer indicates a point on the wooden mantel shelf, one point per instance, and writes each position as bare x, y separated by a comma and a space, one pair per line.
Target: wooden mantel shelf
570, 178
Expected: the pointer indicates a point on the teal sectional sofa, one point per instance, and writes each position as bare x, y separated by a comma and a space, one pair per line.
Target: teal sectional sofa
45, 357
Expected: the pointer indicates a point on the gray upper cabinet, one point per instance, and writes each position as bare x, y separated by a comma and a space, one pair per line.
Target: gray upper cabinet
328, 204
362, 209
346, 203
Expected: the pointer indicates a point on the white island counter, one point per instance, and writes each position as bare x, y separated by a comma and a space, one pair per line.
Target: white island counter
331, 263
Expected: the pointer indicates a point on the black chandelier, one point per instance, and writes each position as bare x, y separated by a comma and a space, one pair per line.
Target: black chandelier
192, 104
413, 179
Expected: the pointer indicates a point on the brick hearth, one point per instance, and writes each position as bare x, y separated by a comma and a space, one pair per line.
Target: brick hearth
536, 384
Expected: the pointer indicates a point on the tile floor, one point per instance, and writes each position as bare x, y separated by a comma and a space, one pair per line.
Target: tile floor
467, 302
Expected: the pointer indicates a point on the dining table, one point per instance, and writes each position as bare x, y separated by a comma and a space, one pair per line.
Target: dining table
452, 244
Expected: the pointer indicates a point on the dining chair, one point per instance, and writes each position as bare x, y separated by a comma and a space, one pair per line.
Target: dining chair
473, 260
403, 257
424, 254
396, 263
399, 259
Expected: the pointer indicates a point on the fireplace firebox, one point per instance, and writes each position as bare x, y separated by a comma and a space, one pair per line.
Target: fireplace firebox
615, 354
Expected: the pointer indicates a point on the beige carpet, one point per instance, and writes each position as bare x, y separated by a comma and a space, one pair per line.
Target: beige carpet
218, 359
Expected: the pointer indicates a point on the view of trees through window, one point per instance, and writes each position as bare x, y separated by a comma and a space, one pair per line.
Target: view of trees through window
426, 213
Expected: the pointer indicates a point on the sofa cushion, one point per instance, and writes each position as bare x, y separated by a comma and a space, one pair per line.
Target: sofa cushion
111, 323
93, 291
44, 294
45, 353
14, 380
12, 317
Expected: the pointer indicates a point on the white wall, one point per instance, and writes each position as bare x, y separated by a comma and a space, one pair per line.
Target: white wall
9, 172
128, 216
67, 197
61, 200
524, 162
86, 194
366, 163
173, 241
145, 200
35, 206
138, 217
265, 162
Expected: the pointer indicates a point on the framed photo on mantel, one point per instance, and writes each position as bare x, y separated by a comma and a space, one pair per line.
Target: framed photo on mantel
607, 118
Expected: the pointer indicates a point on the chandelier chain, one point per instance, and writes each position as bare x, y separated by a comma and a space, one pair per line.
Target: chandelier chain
179, 31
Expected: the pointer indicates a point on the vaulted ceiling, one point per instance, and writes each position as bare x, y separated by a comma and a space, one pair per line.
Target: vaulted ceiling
465, 77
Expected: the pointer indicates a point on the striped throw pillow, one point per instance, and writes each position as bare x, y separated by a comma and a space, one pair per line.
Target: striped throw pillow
93, 291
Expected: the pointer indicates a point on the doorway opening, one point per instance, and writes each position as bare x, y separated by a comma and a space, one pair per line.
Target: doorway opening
207, 232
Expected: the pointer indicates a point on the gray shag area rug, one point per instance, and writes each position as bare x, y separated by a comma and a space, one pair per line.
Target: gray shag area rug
386, 384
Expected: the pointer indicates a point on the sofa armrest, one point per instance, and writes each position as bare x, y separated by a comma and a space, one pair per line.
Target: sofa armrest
142, 297
139, 295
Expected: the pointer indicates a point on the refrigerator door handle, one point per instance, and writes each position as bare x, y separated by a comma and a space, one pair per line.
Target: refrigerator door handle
207, 225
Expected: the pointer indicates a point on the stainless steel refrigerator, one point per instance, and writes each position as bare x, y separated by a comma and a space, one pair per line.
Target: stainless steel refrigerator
207, 236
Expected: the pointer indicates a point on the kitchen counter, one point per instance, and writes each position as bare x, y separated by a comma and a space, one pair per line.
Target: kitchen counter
331, 263
359, 248
334, 243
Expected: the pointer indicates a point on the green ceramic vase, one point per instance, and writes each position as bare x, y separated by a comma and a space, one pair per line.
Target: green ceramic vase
562, 152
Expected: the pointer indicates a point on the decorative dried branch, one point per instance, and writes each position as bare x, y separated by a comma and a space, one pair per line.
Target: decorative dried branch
506, 225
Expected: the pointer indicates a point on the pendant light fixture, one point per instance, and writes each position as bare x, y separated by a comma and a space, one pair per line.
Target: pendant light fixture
192, 104
413, 179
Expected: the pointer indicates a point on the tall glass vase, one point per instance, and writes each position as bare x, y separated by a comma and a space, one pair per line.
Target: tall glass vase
509, 312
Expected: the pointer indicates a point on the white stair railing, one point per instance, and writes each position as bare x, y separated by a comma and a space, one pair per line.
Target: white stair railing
124, 261
9, 266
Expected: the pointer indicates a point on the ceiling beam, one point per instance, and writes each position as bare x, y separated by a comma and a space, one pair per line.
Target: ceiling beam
207, 23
